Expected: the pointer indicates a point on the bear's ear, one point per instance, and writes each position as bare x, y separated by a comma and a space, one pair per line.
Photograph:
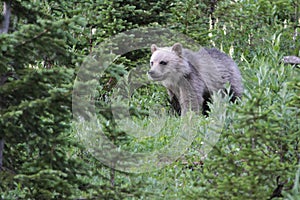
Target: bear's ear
153, 48
177, 48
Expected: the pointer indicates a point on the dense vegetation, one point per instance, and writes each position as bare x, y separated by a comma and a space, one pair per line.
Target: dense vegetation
43, 148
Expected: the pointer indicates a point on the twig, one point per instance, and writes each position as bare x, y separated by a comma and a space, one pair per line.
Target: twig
31, 39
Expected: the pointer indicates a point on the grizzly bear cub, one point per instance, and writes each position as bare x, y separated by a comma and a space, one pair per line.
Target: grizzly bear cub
191, 77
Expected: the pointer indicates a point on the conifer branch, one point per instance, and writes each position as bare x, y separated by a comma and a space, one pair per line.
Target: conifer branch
33, 38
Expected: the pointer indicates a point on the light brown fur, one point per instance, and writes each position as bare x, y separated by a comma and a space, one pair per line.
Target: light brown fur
190, 77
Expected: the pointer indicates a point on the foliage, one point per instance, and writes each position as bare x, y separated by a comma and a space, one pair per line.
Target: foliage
42, 53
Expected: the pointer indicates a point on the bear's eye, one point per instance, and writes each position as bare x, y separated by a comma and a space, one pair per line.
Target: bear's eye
163, 62
151, 63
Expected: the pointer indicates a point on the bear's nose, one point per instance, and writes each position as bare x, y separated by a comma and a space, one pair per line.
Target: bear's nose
151, 72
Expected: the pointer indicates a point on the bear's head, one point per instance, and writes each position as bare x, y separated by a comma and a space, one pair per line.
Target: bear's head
167, 63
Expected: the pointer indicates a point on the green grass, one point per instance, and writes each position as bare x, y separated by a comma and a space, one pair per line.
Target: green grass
255, 141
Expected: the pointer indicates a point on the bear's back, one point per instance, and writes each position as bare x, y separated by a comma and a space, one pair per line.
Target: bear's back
215, 68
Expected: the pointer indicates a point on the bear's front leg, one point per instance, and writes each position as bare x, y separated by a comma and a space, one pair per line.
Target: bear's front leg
189, 99
174, 102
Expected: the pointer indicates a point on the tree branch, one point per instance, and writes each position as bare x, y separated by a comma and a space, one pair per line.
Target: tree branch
31, 39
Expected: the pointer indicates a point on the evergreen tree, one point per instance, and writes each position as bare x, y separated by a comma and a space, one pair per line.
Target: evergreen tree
36, 81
